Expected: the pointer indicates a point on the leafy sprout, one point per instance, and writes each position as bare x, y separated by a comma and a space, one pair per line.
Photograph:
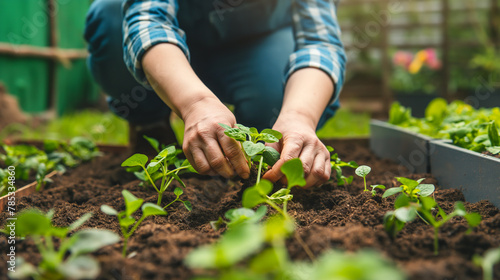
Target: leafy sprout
128, 223
159, 168
252, 143
363, 171
411, 188
71, 260
259, 193
487, 262
337, 165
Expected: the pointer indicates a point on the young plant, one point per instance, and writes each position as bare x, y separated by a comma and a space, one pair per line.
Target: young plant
239, 216
128, 224
362, 171
252, 144
71, 260
158, 169
494, 138
487, 262
259, 193
337, 165
425, 210
411, 188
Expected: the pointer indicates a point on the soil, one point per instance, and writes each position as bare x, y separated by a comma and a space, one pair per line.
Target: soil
331, 216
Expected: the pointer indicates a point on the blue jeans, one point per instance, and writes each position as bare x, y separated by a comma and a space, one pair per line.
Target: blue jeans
247, 74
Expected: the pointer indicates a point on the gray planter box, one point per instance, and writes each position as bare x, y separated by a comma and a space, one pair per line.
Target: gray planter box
409, 149
475, 174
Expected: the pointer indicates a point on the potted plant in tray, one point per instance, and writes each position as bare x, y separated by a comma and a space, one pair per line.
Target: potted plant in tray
414, 80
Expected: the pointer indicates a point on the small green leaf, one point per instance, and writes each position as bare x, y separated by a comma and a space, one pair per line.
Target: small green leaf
178, 192
81, 267
256, 195
132, 203
426, 189
405, 214
401, 201
217, 224
188, 205
428, 202
493, 134
109, 210
273, 132
178, 179
460, 209
126, 221
90, 240
150, 209
270, 155
153, 166
473, 219
382, 187
235, 133
363, 170
408, 182
294, 172
168, 152
136, 160
268, 138
494, 150
190, 167
252, 149
392, 191
153, 142
78, 223
32, 222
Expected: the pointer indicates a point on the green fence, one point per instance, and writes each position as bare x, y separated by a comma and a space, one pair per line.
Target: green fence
44, 69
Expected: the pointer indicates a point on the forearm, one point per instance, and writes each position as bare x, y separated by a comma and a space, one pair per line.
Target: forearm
171, 76
307, 94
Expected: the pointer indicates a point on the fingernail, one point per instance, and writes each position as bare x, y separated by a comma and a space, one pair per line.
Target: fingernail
245, 175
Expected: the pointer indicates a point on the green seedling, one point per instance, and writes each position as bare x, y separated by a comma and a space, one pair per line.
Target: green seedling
128, 223
487, 262
337, 165
362, 171
411, 188
405, 211
158, 168
252, 144
259, 193
494, 139
238, 216
425, 210
56, 155
71, 260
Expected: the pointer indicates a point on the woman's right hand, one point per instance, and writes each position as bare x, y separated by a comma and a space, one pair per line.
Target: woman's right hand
205, 145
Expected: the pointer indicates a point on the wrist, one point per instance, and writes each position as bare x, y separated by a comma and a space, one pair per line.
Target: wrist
198, 104
296, 118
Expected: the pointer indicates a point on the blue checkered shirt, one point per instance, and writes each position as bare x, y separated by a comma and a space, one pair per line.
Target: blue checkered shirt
315, 26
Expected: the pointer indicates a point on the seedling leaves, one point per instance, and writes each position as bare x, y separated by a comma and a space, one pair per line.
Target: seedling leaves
32, 222
154, 143
235, 133
392, 191
270, 155
253, 148
188, 205
493, 134
135, 160
90, 240
81, 267
78, 223
363, 170
272, 132
408, 182
150, 209
178, 192
426, 189
256, 195
132, 203
109, 210
406, 214
294, 172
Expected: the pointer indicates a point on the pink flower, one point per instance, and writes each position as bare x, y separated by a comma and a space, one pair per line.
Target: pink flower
403, 59
432, 61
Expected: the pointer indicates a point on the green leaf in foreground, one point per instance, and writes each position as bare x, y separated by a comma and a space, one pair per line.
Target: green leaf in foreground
294, 172
136, 160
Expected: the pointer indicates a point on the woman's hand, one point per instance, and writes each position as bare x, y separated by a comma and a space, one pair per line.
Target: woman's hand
300, 141
206, 146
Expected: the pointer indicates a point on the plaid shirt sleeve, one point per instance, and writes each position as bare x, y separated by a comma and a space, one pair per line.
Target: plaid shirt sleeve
146, 24
317, 37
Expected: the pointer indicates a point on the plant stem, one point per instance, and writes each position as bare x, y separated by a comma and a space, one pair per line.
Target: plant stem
126, 236
260, 168
276, 207
171, 202
436, 241
304, 246
160, 195
364, 179
150, 180
124, 250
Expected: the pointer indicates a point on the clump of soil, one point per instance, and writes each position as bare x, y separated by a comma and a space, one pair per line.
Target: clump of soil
331, 216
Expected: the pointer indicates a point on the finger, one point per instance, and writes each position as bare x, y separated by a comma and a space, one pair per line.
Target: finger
233, 152
317, 175
216, 159
307, 156
291, 149
197, 158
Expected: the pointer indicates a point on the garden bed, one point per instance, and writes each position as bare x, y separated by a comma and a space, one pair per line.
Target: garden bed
331, 216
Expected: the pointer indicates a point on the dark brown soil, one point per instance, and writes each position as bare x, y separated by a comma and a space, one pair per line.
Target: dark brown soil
330, 216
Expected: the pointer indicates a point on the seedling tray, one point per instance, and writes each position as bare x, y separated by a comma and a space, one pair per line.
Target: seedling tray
407, 148
476, 175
